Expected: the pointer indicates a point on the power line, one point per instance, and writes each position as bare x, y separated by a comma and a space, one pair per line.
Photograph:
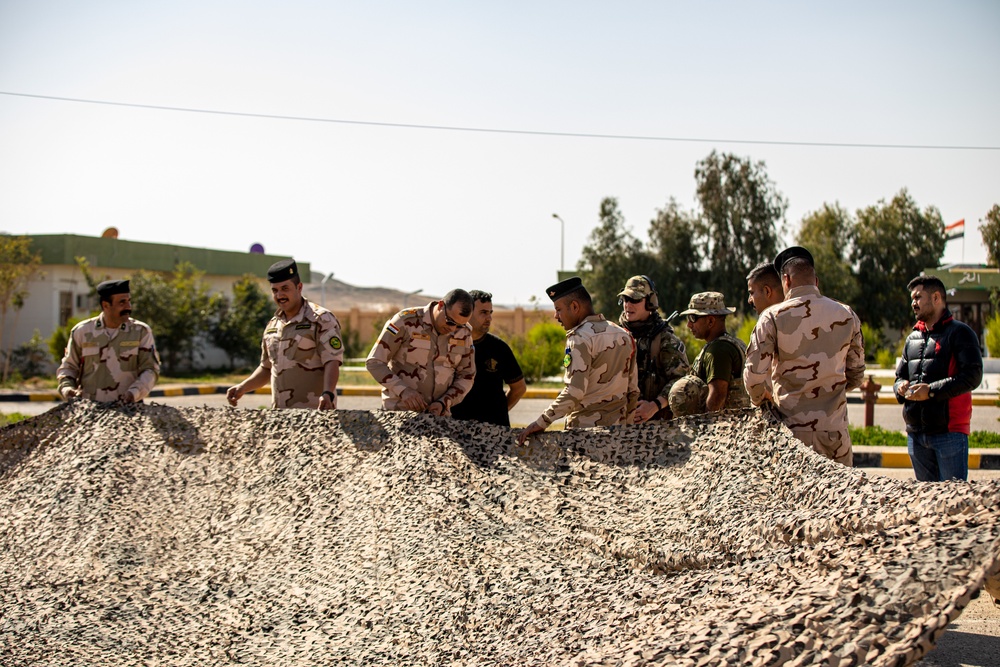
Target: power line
493, 130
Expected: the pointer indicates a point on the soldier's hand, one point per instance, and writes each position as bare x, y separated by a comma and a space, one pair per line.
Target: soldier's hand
69, 393
436, 408
531, 430
645, 411
234, 394
129, 397
918, 392
325, 402
904, 386
411, 400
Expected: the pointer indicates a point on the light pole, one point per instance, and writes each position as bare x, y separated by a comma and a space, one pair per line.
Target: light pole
562, 242
322, 284
406, 297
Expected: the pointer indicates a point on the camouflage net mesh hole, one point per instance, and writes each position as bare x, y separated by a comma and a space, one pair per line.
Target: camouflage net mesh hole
214, 536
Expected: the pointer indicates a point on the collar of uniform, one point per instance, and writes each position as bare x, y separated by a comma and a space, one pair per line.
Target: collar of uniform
428, 316
101, 324
803, 290
596, 317
305, 313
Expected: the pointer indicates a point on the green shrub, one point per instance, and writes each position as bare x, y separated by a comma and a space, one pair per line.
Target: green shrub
874, 340
992, 335
692, 344
885, 358
540, 352
985, 439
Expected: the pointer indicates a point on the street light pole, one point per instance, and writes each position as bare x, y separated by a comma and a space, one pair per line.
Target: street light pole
562, 242
322, 284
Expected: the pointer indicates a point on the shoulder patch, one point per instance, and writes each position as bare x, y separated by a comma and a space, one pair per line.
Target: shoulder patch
567, 360
392, 328
336, 343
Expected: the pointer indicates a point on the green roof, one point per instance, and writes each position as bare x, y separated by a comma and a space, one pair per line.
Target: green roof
115, 253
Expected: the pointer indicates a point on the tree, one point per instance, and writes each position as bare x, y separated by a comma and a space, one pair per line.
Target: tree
179, 310
18, 265
827, 234
239, 322
675, 245
612, 256
893, 243
991, 235
742, 213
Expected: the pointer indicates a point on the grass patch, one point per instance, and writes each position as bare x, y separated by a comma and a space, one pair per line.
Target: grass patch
876, 436
11, 418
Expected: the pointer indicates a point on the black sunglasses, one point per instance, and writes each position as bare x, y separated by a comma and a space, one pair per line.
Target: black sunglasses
694, 318
623, 299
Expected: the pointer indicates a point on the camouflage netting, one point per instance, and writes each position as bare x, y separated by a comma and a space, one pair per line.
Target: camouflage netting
207, 536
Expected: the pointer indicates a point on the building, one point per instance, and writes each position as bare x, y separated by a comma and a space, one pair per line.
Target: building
59, 292
970, 287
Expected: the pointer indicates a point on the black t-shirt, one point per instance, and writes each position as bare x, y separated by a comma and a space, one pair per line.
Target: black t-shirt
487, 401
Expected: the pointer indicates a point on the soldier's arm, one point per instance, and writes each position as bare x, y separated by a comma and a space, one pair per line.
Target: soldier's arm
148, 366
260, 376
69, 370
632, 395
515, 391
673, 364
514, 378
331, 352
760, 356
902, 382
569, 399
855, 367
393, 336
465, 376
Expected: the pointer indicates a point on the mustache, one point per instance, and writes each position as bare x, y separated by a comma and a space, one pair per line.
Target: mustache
126, 311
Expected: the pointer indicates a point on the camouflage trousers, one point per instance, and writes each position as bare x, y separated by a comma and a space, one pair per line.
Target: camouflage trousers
834, 445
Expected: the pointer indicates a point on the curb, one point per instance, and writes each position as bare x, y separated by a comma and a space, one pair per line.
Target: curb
979, 459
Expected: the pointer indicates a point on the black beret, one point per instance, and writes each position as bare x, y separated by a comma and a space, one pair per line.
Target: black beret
281, 271
109, 288
559, 290
789, 254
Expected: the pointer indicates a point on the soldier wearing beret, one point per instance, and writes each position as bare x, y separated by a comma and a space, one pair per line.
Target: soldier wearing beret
424, 358
301, 351
601, 376
804, 355
661, 358
715, 382
110, 357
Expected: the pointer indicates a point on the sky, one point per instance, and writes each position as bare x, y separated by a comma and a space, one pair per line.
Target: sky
328, 152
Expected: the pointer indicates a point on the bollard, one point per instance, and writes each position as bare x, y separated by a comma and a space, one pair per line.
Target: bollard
869, 389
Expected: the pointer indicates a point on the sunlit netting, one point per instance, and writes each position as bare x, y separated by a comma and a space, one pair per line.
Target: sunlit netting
205, 536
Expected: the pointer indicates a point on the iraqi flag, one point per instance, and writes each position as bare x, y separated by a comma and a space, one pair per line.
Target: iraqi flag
955, 230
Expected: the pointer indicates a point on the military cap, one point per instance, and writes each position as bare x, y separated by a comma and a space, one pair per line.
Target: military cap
109, 288
561, 289
708, 303
688, 396
637, 287
789, 254
281, 271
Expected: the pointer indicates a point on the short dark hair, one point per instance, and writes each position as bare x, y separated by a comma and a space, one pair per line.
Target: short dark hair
480, 296
765, 273
796, 265
462, 298
579, 294
929, 284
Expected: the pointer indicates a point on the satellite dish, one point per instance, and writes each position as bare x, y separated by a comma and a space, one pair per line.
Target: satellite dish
110, 233
257, 249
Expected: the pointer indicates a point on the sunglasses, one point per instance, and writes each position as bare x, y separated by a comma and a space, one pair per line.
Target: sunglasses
450, 322
694, 318
623, 299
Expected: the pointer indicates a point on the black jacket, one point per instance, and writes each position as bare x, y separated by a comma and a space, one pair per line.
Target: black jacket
947, 357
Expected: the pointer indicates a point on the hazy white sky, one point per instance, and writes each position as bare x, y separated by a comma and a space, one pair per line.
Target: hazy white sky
433, 209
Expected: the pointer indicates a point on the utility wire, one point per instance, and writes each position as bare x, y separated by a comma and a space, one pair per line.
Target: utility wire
493, 130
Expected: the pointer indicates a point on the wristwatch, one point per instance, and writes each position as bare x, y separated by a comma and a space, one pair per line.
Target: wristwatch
333, 396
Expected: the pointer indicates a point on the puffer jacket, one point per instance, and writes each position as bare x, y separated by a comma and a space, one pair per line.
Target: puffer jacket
946, 357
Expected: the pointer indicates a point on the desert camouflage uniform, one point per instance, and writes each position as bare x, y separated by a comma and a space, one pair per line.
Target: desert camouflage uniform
296, 352
409, 354
601, 377
661, 359
807, 352
108, 363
